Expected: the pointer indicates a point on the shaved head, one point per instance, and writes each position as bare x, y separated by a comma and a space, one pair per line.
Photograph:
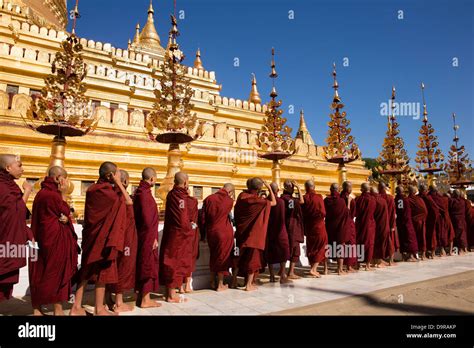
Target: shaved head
6, 160
422, 188
347, 186
364, 187
12, 165
274, 187
412, 189
228, 187
148, 173
124, 176
106, 168
180, 178
309, 185
56, 171
255, 184
334, 187
373, 189
456, 193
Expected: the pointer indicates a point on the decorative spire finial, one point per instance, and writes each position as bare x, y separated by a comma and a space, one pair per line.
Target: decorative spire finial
197, 61
254, 95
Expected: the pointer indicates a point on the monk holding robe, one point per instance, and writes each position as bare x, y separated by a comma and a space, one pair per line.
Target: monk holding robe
251, 214
277, 248
146, 219
365, 223
52, 273
432, 221
351, 260
13, 229
338, 219
294, 223
393, 242
193, 214
102, 237
444, 224
457, 213
382, 229
406, 231
419, 213
177, 243
216, 225
314, 229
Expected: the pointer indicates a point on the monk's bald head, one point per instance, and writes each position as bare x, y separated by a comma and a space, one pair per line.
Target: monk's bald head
382, 187
124, 178
106, 170
347, 186
373, 189
412, 189
422, 188
228, 187
148, 173
6, 160
274, 187
334, 187
309, 185
364, 187
57, 171
181, 179
255, 184
12, 165
456, 194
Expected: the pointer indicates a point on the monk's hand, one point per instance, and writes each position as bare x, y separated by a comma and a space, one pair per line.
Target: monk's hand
116, 177
27, 187
155, 244
63, 219
266, 185
295, 185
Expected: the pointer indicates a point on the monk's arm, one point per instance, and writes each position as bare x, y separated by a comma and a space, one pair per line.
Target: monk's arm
299, 192
273, 201
128, 200
27, 188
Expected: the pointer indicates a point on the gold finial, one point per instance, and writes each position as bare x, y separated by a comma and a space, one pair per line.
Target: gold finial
75, 16
136, 38
425, 112
303, 132
150, 8
149, 38
254, 95
273, 75
336, 98
197, 61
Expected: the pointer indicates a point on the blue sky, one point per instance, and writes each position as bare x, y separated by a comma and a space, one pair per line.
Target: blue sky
382, 50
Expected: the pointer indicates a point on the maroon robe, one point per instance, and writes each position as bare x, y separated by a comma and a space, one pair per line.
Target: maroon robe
52, 273
103, 235
216, 224
13, 232
193, 220
457, 213
432, 221
337, 219
406, 231
177, 243
277, 248
251, 215
444, 223
393, 243
471, 226
419, 213
294, 225
314, 227
351, 229
382, 228
365, 224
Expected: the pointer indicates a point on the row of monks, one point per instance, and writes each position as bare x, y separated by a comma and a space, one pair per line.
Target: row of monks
121, 250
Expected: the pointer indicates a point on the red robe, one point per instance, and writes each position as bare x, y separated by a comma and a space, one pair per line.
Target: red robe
337, 219
457, 213
444, 223
365, 224
314, 228
394, 243
432, 221
193, 220
216, 224
294, 225
51, 275
351, 229
419, 213
177, 243
382, 228
471, 226
251, 214
103, 235
13, 232
406, 231
277, 248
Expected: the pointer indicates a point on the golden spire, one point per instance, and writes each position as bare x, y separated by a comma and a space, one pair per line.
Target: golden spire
425, 113
149, 38
197, 61
336, 98
254, 95
303, 132
136, 38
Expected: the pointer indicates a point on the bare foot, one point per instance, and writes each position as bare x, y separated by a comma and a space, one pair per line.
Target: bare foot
285, 280
341, 272
222, 287
176, 299
150, 304
352, 270
104, 312
314, 274
293, 276
122, 308
77, 311
250, 287
59, 313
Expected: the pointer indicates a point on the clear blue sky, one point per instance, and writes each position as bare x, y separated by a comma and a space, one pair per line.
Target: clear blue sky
382, 51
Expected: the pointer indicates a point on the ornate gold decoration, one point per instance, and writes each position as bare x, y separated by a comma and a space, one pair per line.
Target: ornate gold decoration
459, 166
197, 61
254, 95
303, 132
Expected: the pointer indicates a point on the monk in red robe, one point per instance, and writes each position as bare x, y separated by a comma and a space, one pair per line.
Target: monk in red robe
102, 237
393, 242
382, 229
351, 260
294, 223
52, 273
314, 229
193, 214
365, 223
338, 219
126, 260
406, 231
216, 225
13, 229
432, 221
251, 213
277, 247
177, 243
444, 225
419, 213
146, 221
457, 213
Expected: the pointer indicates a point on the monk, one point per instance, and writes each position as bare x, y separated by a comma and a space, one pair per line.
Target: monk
102, 236
251, 214
177, 243
419, 213
294, 223
406, 231
382, 229
13, 228
147, 220
52, 273
314, 228
277, 247
457, 213
432, 221
338, 219
216, 225
193, 214
126, 260
349, 199
365, 223
444, 225
393, 244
